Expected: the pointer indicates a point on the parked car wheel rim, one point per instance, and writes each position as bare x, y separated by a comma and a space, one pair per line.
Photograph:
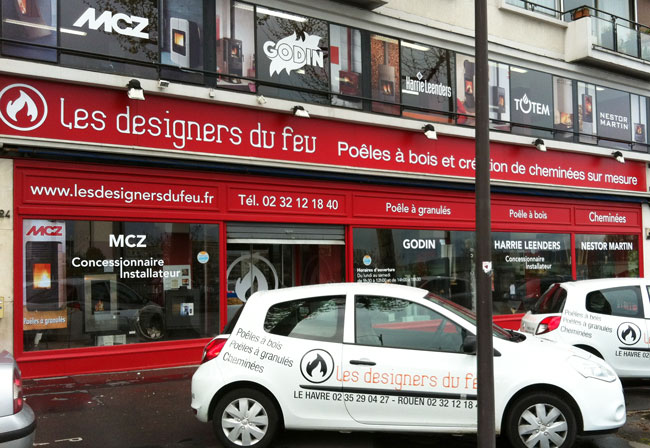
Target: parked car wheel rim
543, 425
245, 422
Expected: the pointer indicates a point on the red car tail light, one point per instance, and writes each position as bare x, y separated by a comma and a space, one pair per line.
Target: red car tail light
18, 392
548, 324
213, 349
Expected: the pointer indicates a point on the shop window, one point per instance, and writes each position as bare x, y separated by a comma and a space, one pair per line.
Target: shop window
640, 123
563, 110
385, 74
235, 45
182, 40
428, 83
531, 102
614, 118
499, 95
90, 283
319, 319
398, 323
346, 66
525, 266
622, 302
436, 260
32, 22
587, 117
465, 93
605, 256
293, 56
86, 26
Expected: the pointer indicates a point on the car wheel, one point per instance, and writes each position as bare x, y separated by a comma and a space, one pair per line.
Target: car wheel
541, 421
245, 417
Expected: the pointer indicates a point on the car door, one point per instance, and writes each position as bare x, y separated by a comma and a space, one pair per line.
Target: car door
618, 328
405, 366
300, 353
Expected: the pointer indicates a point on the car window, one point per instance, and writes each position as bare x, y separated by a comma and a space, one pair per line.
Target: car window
398, 323
624, 302
551, 302
319, 318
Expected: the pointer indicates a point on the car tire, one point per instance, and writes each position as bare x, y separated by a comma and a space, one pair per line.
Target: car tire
538, 418
245, 417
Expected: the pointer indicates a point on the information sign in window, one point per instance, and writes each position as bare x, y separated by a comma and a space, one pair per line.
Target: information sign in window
604, 256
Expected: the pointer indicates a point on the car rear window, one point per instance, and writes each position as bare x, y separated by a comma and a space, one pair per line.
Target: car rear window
319, 318
551, 302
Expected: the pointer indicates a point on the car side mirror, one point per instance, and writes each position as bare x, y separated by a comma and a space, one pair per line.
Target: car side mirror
469, 344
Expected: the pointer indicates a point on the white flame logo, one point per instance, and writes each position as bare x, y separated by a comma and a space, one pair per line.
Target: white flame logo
254, 277
291, 53
525, 104
22, 96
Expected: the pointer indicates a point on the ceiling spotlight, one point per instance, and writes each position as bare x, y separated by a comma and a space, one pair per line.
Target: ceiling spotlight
430, 132
539, 144
163, 84
135, 91
300, 111
618, 155
261, 100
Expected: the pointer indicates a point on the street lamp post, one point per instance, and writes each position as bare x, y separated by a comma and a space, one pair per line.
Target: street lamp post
484, 356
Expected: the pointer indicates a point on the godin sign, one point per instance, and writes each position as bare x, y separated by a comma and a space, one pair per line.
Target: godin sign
63, 112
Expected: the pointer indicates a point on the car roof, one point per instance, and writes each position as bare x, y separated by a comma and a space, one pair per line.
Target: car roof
602, 283
297, 292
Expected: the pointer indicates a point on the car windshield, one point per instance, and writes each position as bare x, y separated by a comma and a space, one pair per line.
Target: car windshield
469, 316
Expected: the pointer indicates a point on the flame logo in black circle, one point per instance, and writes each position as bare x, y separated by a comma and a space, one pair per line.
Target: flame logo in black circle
317, 366
629, 333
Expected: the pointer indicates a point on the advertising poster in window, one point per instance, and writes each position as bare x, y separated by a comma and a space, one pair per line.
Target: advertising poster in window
120, 28
465, 94
427, 79
92, 283
499, 95
235, 45
587, 112
385, 74
605, 256
30, 21
292, 51
182, 38
346, 66
639, 122
614, 120
525, 265
532, 101
563, 107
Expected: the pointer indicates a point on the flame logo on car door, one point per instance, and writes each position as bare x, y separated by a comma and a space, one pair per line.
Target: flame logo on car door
317, 366
628, 333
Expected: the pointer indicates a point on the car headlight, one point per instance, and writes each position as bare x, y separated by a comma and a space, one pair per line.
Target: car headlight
592, 369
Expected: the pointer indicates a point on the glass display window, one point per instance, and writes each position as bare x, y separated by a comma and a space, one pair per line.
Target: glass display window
346, 66
385, 74
525, 265
614, 118
563, 108
640, 123
32, 22
604, 256
465, 92
292, 51
428, 83
437, 260
235, 46
98, 283
499, 95
587, 117
88, 26
531, 102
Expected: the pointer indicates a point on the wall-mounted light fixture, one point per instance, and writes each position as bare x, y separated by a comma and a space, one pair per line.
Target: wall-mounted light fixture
135, 91
618, 155
300, 111
261, 100
539, 144
430, 132
212, 93
163, 84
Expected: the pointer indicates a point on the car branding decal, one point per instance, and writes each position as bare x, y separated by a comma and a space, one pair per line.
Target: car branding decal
391, 392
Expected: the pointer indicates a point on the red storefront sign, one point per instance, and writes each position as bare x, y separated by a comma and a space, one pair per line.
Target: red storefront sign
72, 113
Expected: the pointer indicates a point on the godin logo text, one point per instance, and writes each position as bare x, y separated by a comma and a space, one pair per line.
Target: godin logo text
22, 107
292, 53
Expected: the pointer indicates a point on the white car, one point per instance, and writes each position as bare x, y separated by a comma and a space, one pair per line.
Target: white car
377, 357
17, 420
606, 317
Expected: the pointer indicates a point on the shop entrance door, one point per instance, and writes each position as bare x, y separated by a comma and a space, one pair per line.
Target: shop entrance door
264, 256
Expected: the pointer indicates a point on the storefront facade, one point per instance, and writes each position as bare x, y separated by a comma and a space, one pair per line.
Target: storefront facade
137, 228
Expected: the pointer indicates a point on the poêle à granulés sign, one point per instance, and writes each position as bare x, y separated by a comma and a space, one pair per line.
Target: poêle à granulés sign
65, 112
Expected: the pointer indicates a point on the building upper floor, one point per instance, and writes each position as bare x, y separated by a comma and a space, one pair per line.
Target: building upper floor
393, 62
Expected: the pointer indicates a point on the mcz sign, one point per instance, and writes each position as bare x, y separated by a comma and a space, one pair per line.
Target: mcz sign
119, 23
